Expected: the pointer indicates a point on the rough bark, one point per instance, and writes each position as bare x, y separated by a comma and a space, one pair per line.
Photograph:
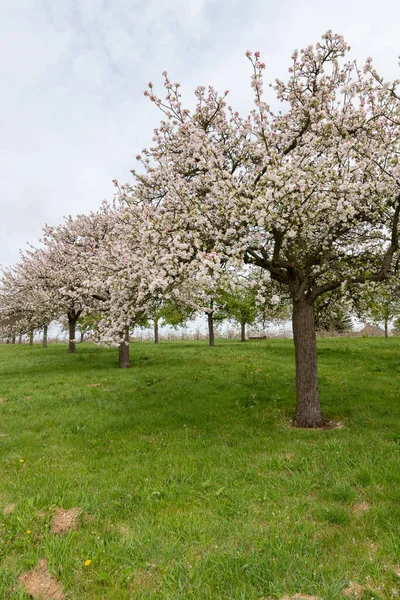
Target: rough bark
308, 408
123, 351
386, 329
211, 337
72, 319
243, 332
156, 336
45, 328
31, 338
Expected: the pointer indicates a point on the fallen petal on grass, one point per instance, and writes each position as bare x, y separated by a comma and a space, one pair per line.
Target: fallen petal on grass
360, 508
353, 590
300, 597
9, 508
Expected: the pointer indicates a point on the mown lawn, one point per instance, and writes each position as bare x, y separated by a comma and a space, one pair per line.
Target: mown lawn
190, 480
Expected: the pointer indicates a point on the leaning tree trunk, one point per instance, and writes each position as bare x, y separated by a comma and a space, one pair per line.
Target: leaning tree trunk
31, 338
45, 328
123, 351
308, 408
386, 329
243, 332
211, 337
156, 337
72, 319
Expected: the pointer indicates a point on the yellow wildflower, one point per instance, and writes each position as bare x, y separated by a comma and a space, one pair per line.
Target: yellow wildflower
88, 562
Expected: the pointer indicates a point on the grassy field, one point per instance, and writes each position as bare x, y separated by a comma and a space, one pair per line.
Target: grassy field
191, 482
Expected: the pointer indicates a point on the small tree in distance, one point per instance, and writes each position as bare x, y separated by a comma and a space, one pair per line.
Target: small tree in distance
238, 300
378, 302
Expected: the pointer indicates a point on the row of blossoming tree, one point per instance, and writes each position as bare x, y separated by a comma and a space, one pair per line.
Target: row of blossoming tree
308, 196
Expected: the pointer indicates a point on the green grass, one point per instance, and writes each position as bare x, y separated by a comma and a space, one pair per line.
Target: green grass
191, 482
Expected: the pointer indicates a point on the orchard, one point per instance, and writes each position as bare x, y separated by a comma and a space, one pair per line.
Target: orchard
209, 468
298, 204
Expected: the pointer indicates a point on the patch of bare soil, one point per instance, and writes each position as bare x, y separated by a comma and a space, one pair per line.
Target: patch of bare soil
360, 508
64, 521
2, 401
9, 508
300, 597
146, 580
324, 425
328, 424
89, 518
40, 584
124, 529
353, 591
3, 435
93, 384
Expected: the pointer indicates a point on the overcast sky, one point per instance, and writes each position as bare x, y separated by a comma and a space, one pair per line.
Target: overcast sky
73, 114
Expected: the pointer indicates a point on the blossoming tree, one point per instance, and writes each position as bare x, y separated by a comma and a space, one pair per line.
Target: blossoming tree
71, 249
311, 193
378, 302
53, 281
24, 299
130, 278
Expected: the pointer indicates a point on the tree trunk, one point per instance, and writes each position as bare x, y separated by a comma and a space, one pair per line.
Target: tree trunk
156, 338
45, 336
386, 329
210, 319
13, 339
71, 332
31, 338
243, 332
20, 339
82, 336
123, 351
308, 409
